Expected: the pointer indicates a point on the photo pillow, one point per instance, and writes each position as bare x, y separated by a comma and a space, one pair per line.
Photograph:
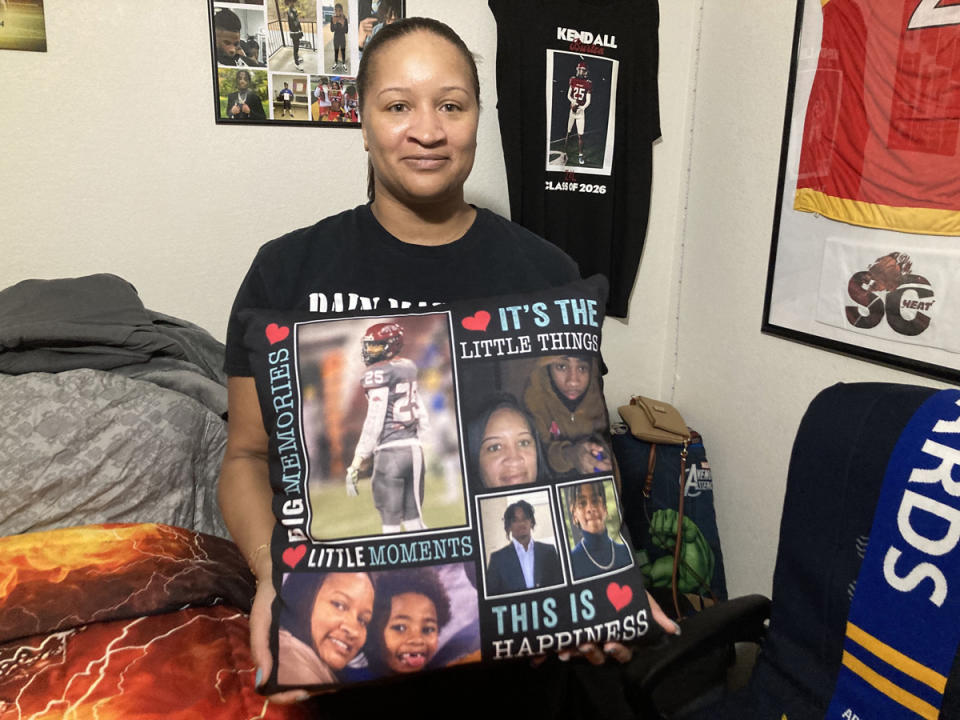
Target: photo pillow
443, 486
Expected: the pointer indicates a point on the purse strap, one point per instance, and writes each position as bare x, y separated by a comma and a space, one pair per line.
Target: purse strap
651, 466
678, 544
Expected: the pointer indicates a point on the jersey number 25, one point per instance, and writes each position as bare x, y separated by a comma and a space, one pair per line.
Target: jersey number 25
405, 406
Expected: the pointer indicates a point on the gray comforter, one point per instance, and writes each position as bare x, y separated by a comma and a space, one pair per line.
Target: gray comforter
112, 412
88, 446
99, 322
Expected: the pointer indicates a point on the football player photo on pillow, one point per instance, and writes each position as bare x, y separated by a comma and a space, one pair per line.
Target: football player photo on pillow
443, 487
378, 411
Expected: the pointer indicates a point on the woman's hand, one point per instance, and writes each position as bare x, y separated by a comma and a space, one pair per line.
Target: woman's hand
245, 498
596, 655
260, 641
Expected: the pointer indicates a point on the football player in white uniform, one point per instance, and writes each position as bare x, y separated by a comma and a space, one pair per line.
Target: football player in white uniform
391, 431
579, 93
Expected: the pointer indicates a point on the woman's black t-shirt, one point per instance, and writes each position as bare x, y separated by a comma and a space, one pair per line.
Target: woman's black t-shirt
349, 262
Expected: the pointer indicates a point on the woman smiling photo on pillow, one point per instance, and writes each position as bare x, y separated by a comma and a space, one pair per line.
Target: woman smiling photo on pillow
417, 240
504, 447
323, 624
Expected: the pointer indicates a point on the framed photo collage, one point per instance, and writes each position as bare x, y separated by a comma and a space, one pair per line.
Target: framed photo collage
292, 62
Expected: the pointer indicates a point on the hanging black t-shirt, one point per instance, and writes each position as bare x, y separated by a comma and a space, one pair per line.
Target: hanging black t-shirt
578, 109
350, 262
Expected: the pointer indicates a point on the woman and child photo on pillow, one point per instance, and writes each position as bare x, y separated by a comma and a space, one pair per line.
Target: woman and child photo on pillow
350, 627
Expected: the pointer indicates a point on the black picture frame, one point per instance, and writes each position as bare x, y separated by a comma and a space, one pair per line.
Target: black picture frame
318, 87
790, 313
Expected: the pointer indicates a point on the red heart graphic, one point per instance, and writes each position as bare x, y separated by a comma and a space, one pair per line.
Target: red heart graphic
478, 321
275, 333
293, 555
618, 595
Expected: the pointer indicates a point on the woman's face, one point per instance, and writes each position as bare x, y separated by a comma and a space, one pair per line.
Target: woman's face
410, 636
571, 375
341, 613
420, 120
589, 510
243, 80
508, 450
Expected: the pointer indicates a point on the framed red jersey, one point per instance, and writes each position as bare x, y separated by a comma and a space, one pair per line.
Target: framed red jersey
880, 138
865, 258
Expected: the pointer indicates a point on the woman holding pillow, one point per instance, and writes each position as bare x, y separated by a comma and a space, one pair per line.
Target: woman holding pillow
418, 241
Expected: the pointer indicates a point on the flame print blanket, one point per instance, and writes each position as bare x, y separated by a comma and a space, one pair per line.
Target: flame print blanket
123, 621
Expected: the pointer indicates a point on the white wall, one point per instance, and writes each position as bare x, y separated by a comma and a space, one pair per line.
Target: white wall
112, 163
640, 351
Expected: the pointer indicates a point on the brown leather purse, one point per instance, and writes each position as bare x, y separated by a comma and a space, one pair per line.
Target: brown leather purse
654, 421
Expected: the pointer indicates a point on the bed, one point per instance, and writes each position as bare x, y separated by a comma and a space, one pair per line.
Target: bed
120, 594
